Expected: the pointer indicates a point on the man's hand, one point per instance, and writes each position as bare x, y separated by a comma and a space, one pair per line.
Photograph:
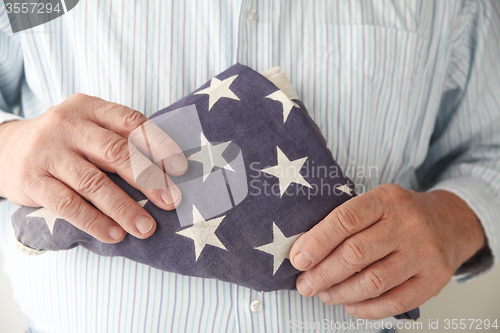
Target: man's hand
55, 161
387, 251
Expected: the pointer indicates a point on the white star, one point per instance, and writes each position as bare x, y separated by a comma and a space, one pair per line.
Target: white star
345, 189
279, 248
211, 156
217, 90
286, 102
49, 217
142, 203
203, 232
287, 171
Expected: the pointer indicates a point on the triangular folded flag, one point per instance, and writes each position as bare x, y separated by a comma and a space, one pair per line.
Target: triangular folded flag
260, 175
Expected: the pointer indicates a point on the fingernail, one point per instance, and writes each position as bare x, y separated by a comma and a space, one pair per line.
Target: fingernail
170, 195
115, 232
350, 309
144, 224
178, 162
324, 297
302, 260
304, 287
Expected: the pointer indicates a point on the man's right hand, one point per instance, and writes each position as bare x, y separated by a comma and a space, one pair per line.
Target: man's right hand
57, 160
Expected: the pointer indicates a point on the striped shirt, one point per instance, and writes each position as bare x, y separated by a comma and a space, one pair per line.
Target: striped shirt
404, 92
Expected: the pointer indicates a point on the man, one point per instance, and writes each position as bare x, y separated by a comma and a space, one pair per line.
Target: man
405, 89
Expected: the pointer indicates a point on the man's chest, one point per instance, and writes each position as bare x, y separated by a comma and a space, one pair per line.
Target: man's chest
365, 72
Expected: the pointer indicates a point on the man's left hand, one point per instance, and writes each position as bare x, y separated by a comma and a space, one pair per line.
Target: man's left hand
387, 251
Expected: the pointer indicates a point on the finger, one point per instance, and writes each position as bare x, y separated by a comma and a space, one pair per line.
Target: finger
351, 256
373, 281
111, 152
159, 147
403, 298
93, 184
347, 219
143, 133
66, 204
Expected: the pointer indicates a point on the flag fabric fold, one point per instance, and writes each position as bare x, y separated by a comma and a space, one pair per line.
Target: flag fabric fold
260, 175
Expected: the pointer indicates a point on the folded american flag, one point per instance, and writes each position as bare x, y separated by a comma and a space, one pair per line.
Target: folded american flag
259, 175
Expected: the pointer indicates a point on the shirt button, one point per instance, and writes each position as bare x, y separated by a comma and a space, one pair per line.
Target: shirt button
256, 306
252, 15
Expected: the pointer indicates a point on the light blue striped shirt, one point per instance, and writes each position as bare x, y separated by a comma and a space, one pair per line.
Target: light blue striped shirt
404, 92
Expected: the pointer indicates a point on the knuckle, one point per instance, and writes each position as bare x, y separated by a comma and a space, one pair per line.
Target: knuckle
91, 181
151, 178
396, 306
132, 118
166, 143
79, 98
91, 225
373, 283
321, 276
116, 150
392, 190
393, 193
55, 115
62, 117
365, 312
321, 241
84, 103
346, 221
352, 253
67, 206
122, 209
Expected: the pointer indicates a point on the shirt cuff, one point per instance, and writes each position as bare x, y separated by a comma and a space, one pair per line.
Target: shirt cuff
486, 206
5, 117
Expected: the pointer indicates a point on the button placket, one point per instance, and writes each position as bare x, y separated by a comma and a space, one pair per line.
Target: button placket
256, 306
255, 309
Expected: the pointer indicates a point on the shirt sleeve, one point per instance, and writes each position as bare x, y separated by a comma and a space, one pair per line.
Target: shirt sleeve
11, 71
464, 152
